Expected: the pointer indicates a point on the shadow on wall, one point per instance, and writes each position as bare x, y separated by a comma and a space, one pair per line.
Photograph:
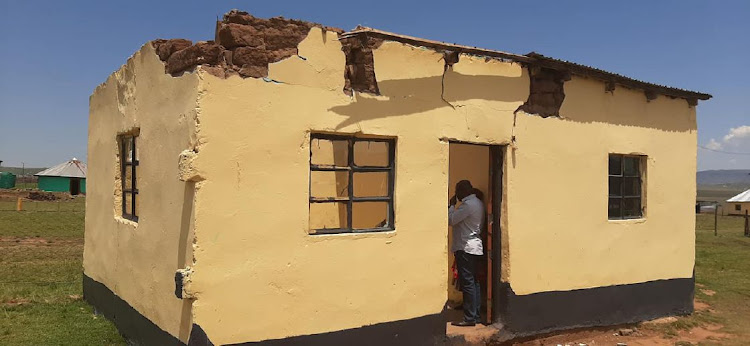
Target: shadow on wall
419, 95
186, 319
585, 101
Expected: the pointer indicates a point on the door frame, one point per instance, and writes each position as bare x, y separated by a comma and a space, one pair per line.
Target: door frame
493, 246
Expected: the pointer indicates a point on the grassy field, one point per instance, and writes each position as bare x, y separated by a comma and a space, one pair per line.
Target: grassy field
40, 280
722, 265
41, 299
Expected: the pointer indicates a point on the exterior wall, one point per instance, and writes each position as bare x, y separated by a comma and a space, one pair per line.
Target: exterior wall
56, 184
255, 265
732, 210
252, 211
561, 164
137, 261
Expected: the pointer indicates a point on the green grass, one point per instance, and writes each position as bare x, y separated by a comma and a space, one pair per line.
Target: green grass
41, 268
41, 281
722, 265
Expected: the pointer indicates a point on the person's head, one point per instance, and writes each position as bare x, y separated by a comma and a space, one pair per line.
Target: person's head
463, 189
479, 194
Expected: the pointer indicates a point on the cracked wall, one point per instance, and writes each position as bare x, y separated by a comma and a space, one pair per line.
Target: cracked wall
359, 74
551, 155
546, 93
254, 156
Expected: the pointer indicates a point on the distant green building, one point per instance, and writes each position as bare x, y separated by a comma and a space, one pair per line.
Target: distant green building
66, 177
7, 180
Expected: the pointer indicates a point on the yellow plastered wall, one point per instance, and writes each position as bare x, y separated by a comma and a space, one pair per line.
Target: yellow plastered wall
558, 233
254, 254
259, 274
137, 261
732, 209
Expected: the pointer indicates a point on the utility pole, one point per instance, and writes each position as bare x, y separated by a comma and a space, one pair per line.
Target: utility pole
716, 219
23, 172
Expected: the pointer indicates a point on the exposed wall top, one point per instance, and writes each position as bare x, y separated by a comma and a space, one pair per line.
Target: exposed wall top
244, 45
535, 59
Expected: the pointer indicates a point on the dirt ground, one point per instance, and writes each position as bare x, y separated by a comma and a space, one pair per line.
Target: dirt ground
647, 333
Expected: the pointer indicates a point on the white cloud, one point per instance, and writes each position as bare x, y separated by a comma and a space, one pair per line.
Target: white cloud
738, 139
738, 134
713, 145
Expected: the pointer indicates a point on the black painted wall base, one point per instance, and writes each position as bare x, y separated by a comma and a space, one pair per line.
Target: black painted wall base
129, 322
425, 330
521, 315
543, 312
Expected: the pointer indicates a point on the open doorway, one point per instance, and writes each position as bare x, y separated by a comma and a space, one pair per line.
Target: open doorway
75, 186
482, 166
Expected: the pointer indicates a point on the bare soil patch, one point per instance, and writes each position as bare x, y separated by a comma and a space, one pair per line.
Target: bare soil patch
36, 241
645, 334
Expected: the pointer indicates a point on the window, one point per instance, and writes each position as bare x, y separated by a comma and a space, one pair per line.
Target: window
625, 186
351, 184
128, 169
738, 207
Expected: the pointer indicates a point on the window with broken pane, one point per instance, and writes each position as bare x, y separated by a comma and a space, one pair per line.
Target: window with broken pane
625, 186
351, 184
128, 168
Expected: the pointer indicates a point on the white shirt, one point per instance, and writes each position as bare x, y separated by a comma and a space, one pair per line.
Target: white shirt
467, 225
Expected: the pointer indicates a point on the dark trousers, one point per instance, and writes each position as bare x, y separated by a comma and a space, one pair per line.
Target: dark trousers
467, 276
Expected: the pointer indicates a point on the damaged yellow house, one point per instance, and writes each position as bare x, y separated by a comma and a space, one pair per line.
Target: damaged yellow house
287, 183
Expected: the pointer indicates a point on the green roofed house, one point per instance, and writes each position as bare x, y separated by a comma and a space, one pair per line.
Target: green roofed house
68, 176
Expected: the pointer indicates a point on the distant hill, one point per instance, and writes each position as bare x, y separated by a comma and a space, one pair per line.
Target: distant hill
18, 170
724, 176
722, 184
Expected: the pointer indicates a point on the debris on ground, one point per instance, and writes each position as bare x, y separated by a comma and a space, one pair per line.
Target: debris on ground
42, 196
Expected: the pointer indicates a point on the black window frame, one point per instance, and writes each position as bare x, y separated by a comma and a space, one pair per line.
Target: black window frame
738, 207
352, 168
622, 176
132, 190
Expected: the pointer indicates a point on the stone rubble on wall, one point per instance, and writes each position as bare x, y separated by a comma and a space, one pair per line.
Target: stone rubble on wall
244, 45
546, 93
359, 74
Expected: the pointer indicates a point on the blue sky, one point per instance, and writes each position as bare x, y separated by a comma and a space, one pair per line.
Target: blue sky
54, 53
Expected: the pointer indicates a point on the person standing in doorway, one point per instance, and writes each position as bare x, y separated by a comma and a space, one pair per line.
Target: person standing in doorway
466, 221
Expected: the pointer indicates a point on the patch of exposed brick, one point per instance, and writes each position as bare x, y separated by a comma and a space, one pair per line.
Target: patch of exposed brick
546, 93
359, 74
243, 45
208, 53
165, 48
